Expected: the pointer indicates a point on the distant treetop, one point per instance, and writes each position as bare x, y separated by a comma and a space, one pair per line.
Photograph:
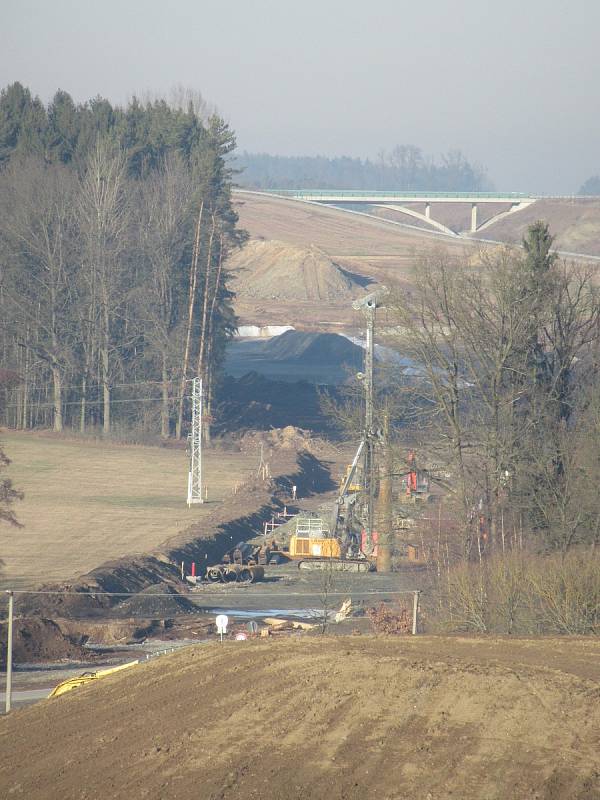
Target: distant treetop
591, 186
404, 168
64, 131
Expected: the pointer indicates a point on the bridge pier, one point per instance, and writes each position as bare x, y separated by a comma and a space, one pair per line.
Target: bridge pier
473, 217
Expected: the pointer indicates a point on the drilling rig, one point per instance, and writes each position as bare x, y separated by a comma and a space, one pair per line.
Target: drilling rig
348, 543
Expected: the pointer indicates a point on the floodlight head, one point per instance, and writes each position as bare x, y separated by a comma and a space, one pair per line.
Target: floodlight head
370, 300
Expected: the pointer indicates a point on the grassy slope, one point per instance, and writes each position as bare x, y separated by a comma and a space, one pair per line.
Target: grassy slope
87, 502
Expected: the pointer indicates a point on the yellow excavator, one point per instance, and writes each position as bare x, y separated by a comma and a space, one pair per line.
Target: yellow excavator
87, 677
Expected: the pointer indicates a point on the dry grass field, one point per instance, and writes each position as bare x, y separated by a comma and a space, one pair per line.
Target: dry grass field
87, 502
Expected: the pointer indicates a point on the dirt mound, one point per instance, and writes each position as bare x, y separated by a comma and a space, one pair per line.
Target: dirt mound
40, 639
322, 358
288, 438
272, 270
312, 718
152, 602
313, 347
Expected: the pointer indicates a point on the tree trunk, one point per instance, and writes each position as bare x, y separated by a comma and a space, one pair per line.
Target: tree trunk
105, 391
57, 398
164, 414
188, 337
82, 405
203, 331
384, 540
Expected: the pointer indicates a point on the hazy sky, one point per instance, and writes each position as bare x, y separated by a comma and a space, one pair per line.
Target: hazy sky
513, 83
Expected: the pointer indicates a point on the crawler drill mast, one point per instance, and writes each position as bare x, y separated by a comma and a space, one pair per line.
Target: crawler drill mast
353, 514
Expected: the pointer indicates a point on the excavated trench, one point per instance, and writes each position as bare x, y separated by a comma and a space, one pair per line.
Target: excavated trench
57, 626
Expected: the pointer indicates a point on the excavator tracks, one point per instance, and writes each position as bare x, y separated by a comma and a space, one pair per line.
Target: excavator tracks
337, 564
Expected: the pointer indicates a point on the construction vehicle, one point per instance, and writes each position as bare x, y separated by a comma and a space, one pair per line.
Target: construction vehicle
244, 563
349, 542
318, 549
415, 482
353, 485
87, 677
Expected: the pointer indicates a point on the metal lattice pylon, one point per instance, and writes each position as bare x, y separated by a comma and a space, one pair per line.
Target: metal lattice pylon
195, 473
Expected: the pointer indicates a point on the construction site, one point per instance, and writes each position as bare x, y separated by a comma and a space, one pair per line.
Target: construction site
255, 615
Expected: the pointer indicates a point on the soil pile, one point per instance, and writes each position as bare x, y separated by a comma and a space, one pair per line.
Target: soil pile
352, 717
253, 402
323, 358
272, 270
40, 639
288, 438
313, 347
159, 600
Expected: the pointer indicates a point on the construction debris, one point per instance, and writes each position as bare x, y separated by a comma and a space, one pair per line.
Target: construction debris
385, 620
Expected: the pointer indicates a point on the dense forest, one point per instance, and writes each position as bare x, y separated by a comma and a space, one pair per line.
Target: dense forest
115, 224
405, 167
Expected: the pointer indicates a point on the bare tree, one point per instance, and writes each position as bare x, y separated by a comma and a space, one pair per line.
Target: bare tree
38, 229
103, 221
160, 304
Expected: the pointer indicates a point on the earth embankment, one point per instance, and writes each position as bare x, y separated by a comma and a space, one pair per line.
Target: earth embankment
350, 717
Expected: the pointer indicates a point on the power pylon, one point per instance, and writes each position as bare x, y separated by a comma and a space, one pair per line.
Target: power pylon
195, 473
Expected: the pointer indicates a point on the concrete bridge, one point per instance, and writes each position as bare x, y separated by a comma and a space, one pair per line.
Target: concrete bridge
510, 203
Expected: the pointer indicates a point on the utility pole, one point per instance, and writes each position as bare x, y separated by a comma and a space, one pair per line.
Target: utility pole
368, 305
195, 473
369, 431
9, 652
384, 541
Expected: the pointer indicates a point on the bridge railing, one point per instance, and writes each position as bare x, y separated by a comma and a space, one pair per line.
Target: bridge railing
363, 193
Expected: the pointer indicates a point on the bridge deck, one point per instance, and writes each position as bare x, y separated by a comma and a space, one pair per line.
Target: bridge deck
364, 196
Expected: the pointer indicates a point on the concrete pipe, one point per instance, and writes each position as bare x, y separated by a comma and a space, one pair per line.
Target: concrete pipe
245, 575
230, 575
214, 574
257, 573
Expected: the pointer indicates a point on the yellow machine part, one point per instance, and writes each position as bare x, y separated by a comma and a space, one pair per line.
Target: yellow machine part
87, 677
355, 486
314, 548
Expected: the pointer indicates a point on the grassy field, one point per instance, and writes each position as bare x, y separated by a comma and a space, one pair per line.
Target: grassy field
87, 502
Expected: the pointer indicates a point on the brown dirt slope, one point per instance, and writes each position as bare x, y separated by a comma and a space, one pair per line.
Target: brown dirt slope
363, 246
351, 717
275, 270
575, 224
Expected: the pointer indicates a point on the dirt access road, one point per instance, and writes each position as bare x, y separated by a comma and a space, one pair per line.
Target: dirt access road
345, 718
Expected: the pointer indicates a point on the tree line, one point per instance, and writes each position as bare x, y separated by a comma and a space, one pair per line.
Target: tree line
405, 167
115, 224
507, 401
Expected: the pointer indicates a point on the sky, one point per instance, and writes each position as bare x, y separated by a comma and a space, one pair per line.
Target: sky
514, 84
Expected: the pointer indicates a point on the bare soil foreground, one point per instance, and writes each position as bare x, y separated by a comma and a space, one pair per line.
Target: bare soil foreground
349, 717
